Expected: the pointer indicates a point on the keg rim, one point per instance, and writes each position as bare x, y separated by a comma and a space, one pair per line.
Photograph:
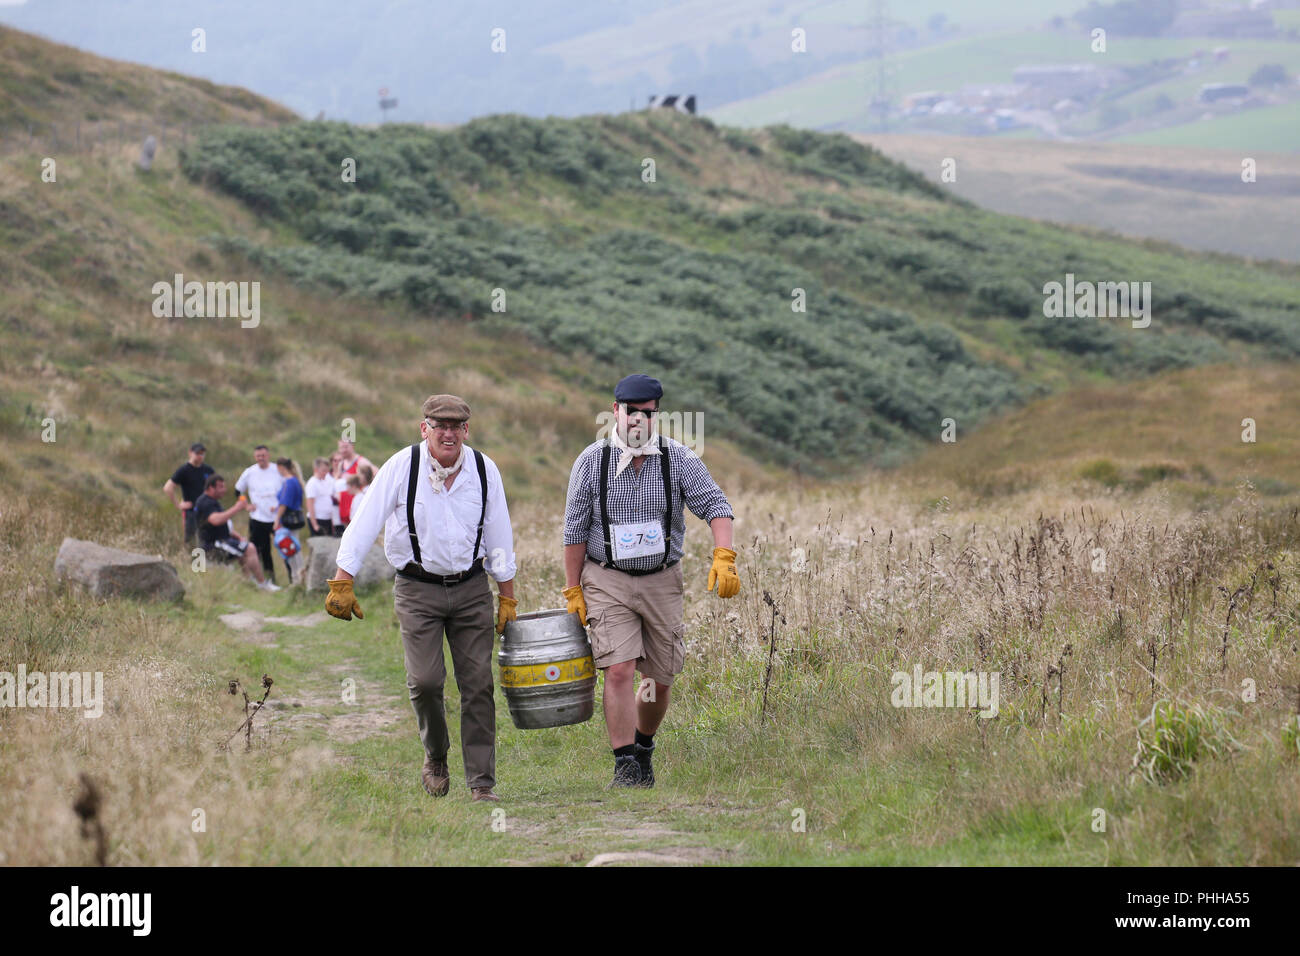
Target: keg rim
548, 612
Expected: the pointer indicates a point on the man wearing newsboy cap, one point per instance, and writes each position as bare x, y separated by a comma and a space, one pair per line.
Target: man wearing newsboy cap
443, 510
623, 533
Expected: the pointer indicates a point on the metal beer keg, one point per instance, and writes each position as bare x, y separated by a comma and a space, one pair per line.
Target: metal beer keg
547, 673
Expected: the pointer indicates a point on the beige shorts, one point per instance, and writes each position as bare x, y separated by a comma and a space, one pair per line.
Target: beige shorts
636, 618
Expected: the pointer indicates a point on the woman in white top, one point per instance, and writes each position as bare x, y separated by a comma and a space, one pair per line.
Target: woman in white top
340, 485
320, 499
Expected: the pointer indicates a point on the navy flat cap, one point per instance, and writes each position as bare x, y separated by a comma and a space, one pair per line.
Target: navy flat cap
638, 388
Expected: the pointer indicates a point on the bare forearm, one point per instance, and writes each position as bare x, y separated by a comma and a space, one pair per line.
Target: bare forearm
507, 588
721, 528
574, 555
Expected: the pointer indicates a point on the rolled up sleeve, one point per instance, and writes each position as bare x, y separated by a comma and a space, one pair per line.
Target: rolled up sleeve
378, 503
498, 535
577, 504
700, 492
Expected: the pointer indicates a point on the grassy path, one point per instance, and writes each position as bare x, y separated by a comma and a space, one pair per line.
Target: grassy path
727, 792
554, 810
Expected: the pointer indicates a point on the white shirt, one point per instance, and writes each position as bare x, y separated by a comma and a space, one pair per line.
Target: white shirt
445, 523
262, 485
319, 491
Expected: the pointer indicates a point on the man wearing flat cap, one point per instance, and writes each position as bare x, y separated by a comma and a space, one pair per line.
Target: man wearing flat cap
443, 509
623, 533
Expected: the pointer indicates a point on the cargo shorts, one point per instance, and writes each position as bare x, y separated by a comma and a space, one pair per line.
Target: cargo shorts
636, 618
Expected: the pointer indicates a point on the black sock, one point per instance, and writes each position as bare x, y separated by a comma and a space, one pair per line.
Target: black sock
625, 751
644, 740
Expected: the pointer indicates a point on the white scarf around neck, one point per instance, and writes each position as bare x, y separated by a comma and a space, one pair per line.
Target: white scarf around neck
651, 447
438, 474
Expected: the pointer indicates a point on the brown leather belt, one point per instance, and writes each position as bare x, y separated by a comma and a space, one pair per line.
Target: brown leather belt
417, 573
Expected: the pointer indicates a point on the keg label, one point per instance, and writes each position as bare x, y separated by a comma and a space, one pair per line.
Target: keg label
559, 672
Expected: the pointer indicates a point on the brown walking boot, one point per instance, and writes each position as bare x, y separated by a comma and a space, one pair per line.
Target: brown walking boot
485, 793
435, 776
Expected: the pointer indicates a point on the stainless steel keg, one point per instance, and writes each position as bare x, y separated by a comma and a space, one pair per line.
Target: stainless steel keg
547, 673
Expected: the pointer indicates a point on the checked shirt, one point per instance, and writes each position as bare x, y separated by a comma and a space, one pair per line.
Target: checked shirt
637, 498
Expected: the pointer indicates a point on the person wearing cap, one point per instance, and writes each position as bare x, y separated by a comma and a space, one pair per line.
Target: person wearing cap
443, 509
623, 533
191, 478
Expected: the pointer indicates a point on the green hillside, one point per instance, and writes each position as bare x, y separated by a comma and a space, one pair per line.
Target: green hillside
919, 307
42, 82
1117, 550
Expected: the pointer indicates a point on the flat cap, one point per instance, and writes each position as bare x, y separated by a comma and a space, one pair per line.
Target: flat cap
638, 388
446, 407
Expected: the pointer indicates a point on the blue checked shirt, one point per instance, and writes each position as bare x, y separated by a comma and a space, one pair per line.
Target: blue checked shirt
636, 498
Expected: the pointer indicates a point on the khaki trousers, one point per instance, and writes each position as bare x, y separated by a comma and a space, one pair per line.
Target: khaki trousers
636, 618
464, 612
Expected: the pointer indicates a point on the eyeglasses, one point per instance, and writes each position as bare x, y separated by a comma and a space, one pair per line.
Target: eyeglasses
647, 412
444, 426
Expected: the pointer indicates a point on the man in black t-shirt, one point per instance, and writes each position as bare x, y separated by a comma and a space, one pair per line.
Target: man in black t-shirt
220, 543
191, 478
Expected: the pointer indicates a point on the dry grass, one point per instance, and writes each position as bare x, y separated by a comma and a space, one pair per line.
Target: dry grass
882, 584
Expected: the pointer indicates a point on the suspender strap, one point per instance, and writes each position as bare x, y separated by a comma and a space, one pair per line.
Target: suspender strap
482, 515
604, 505
414, 481
411, 485
665, 467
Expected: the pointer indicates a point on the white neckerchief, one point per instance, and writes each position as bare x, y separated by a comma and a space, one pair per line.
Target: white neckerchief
439, 474
651, 447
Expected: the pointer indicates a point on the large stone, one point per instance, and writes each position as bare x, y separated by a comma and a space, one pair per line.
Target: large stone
108, 572
322, 559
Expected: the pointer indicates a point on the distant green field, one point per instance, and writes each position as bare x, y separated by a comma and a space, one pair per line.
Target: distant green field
962, 14
837, 99
1274, 128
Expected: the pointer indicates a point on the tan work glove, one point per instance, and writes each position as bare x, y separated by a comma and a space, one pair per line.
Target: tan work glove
577, 603
724, 573
505, 612
342, 603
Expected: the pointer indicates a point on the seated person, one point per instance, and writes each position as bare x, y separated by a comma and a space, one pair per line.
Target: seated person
219, 541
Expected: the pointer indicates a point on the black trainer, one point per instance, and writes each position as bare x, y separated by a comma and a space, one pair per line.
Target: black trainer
627, 772
643, 755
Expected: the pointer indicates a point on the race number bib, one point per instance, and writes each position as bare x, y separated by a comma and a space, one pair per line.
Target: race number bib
643, 539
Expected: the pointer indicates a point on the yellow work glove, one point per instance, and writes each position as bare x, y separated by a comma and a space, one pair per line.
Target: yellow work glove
342, 603
505, 612
577, 603
724, 573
